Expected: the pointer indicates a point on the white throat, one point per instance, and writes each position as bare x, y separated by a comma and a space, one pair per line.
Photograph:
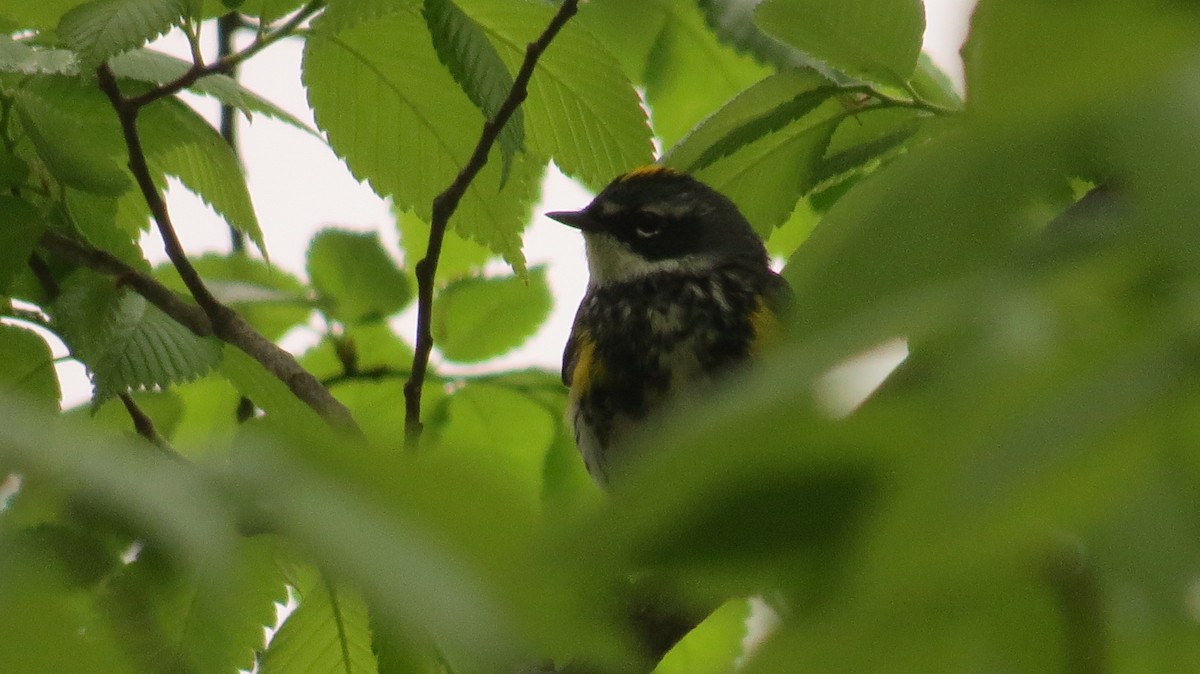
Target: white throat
611, 261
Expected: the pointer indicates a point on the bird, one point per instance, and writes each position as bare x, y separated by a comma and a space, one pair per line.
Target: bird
680, 292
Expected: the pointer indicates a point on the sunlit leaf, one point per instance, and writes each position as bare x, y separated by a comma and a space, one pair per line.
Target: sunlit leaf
877, 40
328, 633
480, 318
68, 147
411, 108
102, 28
465, 50
148, 65
355, 278
581, 111
127, 343
27, 367
209, 619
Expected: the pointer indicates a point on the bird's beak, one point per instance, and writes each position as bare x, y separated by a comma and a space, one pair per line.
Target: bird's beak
580, 220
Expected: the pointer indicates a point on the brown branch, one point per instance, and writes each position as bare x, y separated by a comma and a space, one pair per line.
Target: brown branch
227, 63
144, 425
444, 206
227, 28
182, 311
127, 113
233, 329
224, 322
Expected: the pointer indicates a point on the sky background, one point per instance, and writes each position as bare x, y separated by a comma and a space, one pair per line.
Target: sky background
299, 186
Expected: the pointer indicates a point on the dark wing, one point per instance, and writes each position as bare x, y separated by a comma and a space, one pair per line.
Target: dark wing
778, 296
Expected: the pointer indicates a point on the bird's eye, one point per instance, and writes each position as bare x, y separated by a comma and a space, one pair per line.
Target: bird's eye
648, 229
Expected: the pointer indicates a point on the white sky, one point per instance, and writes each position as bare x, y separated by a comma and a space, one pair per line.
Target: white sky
299, 186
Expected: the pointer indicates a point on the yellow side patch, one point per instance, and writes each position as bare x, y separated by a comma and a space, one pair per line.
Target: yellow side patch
768, 330
649, 170
586, 369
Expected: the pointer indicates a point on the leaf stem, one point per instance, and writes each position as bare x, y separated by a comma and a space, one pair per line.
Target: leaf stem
444, 206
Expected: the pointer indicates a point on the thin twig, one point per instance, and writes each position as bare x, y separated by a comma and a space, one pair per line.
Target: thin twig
1081, 605
226, 64
127, 113
227, 28
144, 425
370, 374
443, 207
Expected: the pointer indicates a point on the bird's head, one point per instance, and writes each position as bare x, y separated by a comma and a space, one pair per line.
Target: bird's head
655, 219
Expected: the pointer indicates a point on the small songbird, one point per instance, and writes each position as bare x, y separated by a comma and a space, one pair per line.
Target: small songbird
679, 293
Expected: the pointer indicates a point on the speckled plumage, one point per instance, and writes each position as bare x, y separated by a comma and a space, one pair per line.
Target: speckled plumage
680, 292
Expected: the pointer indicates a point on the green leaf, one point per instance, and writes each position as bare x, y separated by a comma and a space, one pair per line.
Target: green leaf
38, 15
875, 40
20, 228
355, 277
581, 111
480, 318
767, 106
27, 367
328, 633
765, 161
411, 108
273, 10
465, 50
29, 59
180, 143
714, 646
13, 171
273, 396
505, 430
111, 224
398, 653
103, 28
47, 615
126, 343
372, 346
177, 142
148, 65
209, 619
459, 257
733, 22
948, 208
1078, 57
866, 140
68, 145
933, 85
270, 299
687, 45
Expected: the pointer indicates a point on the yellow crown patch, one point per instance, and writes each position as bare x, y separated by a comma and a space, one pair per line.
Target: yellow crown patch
649, 170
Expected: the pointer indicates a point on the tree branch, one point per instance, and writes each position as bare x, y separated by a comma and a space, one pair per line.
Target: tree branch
182, 311
234, 330
227, 63
444, 206
223, 322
